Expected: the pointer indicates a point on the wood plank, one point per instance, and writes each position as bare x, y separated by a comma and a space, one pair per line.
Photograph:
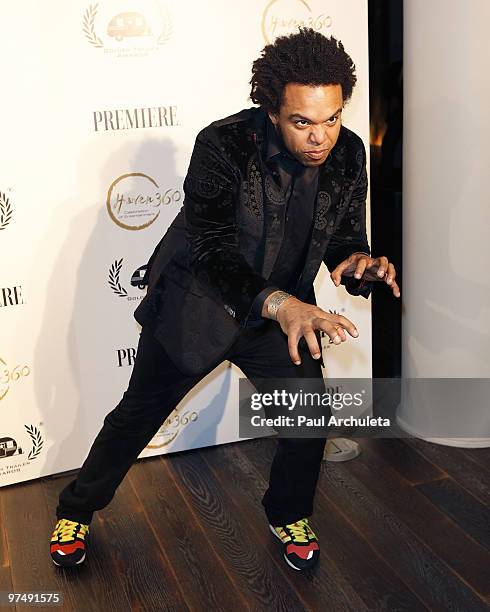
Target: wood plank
96, 584
28, 528
379, 587
201, 574
457, 464
453, 547
326, 585
478, 455
464, 509
414, 562
5, 568
372, 486
149, 580
254, 572
404, 459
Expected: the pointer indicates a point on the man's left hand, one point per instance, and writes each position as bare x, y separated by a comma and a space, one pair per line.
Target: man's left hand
368, 268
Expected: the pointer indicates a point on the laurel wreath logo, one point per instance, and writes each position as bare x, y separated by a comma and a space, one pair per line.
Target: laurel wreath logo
37, 441
167, 31
91, 35
114, 278
5, 211
88, 26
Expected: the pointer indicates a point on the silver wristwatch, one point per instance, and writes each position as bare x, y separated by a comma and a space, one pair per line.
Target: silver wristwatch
275, 300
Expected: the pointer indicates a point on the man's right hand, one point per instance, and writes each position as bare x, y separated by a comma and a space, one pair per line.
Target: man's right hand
298, 319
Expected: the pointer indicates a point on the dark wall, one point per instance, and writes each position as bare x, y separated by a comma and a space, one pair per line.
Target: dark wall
386, 130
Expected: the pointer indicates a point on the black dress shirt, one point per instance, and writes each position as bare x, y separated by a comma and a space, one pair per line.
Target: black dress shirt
297, 186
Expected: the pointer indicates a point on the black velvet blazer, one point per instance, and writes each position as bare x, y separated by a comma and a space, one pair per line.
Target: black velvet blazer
201, 275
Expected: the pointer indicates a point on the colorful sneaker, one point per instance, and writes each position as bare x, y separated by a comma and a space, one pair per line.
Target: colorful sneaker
69, 543
301, 548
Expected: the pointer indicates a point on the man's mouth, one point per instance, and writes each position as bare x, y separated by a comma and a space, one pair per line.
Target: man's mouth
316, 154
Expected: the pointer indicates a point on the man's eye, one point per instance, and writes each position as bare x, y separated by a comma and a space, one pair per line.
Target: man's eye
301, 122
332, 121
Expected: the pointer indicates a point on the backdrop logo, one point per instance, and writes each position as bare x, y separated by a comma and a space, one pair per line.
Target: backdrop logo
125, 356
135, 118
11, 376
5, 211
10, 448
171, 428
134, 200
132, 33
135, 281
283, 17
11, 296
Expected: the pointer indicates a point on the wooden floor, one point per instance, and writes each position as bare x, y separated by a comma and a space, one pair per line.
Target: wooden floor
405, 526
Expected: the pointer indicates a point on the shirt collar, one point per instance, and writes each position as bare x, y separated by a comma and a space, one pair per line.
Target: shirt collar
276, 149
274, 143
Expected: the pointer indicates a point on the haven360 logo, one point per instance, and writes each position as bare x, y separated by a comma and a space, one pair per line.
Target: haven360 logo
10, 376
134, 200
171, 428
143, 28
281, 17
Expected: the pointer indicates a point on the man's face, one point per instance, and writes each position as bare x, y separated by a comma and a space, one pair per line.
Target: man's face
309, 121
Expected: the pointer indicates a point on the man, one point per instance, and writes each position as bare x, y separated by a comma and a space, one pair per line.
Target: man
270, 193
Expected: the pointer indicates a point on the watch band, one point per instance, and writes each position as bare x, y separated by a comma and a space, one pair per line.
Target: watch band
275, 300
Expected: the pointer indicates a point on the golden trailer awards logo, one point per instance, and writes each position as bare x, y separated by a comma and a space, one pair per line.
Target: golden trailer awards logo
5, 211
11, 376
142, 29
134, 200
171, 428
11, 448
136, 280
283, 17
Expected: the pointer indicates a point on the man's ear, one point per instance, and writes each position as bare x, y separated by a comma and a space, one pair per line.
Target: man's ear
273, 117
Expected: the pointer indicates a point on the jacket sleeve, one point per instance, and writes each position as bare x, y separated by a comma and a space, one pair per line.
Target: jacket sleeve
351, 236
211, 190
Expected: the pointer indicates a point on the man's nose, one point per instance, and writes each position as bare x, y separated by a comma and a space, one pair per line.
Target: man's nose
318, 135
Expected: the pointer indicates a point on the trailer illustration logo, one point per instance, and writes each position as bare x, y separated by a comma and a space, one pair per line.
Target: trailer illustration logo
150, 25
125, 25
10, 448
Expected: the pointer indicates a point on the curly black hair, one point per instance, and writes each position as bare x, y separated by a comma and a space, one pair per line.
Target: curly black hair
306, 57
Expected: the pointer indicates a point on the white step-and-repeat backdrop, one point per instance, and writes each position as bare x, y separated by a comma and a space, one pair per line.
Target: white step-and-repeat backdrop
101, 103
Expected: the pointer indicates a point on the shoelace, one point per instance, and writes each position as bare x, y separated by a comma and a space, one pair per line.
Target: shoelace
67, 530
298, 531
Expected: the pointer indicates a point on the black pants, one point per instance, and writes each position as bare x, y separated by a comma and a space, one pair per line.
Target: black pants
156, 387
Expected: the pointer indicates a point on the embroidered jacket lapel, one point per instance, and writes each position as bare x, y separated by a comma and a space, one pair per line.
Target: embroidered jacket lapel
274, 219
273, 206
